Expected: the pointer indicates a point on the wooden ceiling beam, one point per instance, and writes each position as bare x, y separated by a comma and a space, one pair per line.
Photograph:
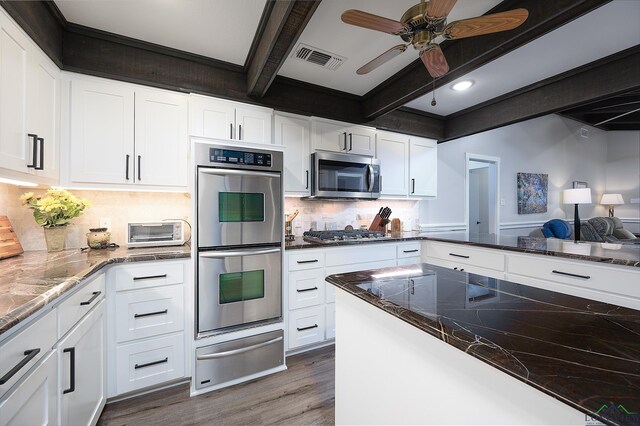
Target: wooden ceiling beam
282, 23
466, 55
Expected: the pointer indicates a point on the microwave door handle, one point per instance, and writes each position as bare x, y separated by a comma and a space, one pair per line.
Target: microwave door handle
238, 253
371, 178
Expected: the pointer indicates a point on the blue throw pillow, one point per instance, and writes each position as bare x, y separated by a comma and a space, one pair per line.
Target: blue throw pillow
560, 228
547, 232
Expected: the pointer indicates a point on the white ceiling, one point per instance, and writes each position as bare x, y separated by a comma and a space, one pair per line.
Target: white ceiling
605, 31
326, 31
220, 29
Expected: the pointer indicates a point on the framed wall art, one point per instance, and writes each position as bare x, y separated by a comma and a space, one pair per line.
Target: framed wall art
532, 193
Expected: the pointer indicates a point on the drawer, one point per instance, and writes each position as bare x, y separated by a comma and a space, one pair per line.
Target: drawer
579, 274
409, 250
360, 254
461, 254
149, 363
149, 312
306, 260
359, 267
409, 261
330, 314
306, 288
148, 274
26, 348
306, 326
466, 268
79, 303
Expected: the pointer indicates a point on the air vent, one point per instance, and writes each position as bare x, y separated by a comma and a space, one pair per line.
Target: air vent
318, 57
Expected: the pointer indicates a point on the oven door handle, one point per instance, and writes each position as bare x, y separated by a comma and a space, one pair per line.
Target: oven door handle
238, 172
238, 351
235, 253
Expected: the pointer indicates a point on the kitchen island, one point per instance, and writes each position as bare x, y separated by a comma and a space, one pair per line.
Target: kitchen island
425, 344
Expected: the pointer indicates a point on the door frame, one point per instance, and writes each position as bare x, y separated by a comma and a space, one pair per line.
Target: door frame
484, 159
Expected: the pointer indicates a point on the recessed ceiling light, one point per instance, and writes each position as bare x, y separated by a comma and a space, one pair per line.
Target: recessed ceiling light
462, 85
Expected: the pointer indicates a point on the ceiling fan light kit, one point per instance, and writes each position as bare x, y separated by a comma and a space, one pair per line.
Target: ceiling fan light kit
421, 24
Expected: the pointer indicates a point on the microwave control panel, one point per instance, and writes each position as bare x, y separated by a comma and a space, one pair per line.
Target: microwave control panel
227, 156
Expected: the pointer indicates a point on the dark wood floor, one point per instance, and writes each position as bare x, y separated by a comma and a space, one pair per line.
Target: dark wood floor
301, 395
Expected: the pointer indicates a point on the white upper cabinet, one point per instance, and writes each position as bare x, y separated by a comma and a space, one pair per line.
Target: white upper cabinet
219, 119
392, 149
342, 137
293, 133
123, 134
423, 167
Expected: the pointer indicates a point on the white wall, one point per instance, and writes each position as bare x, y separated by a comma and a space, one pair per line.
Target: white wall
623, 171
549, 144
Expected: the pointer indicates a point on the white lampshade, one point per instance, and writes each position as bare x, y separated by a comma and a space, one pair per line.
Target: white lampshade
612, 199
577, 196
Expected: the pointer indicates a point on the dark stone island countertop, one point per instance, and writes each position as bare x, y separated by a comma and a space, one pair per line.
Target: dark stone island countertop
616, 254
583, 353
35, 279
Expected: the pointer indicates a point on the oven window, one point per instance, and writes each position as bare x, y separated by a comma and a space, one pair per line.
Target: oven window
239, 286
241, 207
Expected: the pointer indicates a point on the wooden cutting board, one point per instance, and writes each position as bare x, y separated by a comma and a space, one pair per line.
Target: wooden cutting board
9, 244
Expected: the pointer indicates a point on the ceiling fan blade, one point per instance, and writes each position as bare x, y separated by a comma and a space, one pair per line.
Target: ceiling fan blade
370, 21
386, 56
434, 60
485, 24
440, 8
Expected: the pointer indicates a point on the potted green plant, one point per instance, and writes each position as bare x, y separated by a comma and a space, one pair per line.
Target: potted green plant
53, 212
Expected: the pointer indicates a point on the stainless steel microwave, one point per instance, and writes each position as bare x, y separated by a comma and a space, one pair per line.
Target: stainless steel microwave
344, 176
154, 234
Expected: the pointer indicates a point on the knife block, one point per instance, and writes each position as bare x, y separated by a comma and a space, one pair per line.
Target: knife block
379, 224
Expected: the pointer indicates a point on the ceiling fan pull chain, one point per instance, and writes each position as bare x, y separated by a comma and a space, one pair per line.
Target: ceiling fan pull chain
433, 101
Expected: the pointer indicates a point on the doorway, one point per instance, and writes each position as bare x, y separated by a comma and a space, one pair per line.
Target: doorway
482, 190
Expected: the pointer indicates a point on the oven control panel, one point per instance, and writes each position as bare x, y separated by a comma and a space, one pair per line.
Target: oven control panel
227, 156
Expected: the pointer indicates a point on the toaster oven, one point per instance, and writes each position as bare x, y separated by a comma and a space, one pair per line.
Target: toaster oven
155, 234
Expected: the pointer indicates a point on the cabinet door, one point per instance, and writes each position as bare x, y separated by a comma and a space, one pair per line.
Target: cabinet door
15, 146
293, 134
393, 152
34, 401
101, 145
328, 136
423, 167
161, 138
253, 125
361, 140
43, 109
82, 364
211, 118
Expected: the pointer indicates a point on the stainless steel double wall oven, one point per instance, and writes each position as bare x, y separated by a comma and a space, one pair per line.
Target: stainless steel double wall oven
239, 236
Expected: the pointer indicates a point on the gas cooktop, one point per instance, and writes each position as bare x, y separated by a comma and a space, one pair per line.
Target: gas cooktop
347, 235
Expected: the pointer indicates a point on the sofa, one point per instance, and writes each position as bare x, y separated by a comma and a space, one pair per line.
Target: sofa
597, 229
611, 230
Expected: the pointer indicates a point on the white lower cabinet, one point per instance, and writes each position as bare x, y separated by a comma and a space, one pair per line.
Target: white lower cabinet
330, 315
81, 357
306, 326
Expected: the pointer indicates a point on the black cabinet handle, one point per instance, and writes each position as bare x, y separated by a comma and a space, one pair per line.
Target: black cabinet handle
35, 150
139, 160
410, 251
350, 141
127, 167
345, 141
306, 289
41, 166
307, 328
462, 270
413, 186
151, 314
307, 187
149, 277
72, 370
28, 356
585, 277
88, 302
230, 130
239, 132
149, 364
458, 255
307, 261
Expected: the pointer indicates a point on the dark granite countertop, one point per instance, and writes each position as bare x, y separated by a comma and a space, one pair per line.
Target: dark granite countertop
35, 279
617, 254
583, 353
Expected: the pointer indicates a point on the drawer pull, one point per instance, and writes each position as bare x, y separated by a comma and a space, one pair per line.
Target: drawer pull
72, 370
149, 364
88, 302
307, 261
28, 356
586, 277
238, 351
150, 277
458, 255
307, 289
307, 328
148, 314
410, 251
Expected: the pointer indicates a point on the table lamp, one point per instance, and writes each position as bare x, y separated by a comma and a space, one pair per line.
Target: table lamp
611, 200
576, 196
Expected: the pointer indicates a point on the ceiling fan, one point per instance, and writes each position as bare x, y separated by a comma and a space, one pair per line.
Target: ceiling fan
422, 23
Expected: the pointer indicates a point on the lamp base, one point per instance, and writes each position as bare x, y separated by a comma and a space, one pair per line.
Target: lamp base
611, 211
576, 225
